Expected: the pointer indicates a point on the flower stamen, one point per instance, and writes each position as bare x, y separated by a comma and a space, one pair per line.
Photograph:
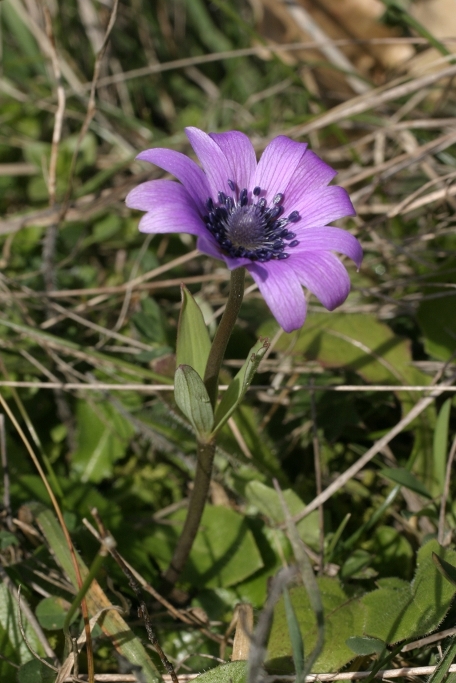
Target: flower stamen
245, 229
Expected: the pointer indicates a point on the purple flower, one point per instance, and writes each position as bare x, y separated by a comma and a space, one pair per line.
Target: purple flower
270, 216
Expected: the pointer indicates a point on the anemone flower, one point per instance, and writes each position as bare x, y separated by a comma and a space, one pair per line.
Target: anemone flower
270, 217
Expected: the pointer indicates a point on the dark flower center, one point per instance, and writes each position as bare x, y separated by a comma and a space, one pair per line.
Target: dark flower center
248, 229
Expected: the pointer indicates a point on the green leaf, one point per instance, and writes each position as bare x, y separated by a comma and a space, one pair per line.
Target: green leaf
233, 672
239, 385
437, 319
51, 613
440, 450
447, 569
193, 342
103, 435
297, 645
268, 503
12, 644
36, 672
405, 478
224, 552
343, 617
112, 624
440, 673
356, 342
192, 398
365, 646
357, 565
398, 610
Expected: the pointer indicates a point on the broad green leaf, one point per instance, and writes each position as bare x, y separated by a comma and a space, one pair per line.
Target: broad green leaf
448, 570
103, 435
268, 503
398, 610
12, 644
193, 343
223, 554
239, 385
36, 672
365, 646
405, 478
123, 638
343, 618
51, 613
192, 398
297, 646
357, 342
233, 672
440, 450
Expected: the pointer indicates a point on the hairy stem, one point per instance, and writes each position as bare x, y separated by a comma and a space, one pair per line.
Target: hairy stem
205, 454
206, 450
223, 333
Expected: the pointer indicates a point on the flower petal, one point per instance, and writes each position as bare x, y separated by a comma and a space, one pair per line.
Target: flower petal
214, 162
240, 156
320, 208
169, 208
311, 174
323, 274
282, 292
184, 169
277, 165
329, 239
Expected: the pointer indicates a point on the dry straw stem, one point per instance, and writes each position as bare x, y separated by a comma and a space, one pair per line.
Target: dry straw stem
69, 542
251, 52
384, 674
376, 448
446, 493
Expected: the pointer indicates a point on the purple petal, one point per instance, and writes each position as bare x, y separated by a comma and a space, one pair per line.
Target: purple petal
329, 239
282, 292
207, 245
214, 162
323, 274
311, 174
320, 208
183, 168
277, 165
240, 156
169, 208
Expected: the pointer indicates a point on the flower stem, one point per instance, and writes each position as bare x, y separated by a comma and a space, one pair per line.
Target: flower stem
197, 502
223, 333
206, 450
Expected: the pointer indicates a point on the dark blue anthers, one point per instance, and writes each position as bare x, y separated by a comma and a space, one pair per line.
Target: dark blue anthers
251, 230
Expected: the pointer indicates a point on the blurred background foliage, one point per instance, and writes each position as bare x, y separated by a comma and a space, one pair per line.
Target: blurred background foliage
89, 307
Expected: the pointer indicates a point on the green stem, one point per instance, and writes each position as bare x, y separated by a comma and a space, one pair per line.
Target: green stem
218, 348
197, 502
206, 450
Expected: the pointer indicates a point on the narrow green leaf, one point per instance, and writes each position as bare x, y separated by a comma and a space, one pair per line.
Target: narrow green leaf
192, 398
113, 625
405, 478
448, 570
193, 342
442, 667
239, 385
297, 646
440, 449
